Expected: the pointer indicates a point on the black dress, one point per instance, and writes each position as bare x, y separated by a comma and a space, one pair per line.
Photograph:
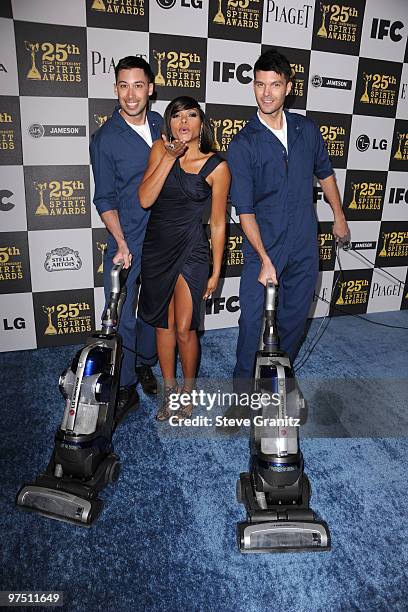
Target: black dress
176, 243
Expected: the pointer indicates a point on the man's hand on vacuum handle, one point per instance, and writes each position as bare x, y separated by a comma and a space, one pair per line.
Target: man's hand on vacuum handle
267, 272
123, 254
112, 223
251, 231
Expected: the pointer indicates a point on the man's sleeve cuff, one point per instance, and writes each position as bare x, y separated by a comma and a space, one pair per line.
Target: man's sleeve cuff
324, 175
102, 207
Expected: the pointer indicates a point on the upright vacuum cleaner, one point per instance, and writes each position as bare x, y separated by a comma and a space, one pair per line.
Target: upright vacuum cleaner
276, 492
83, 461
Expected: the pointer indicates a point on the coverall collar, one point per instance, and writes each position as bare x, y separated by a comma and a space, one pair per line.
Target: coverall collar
294, 128
126, 130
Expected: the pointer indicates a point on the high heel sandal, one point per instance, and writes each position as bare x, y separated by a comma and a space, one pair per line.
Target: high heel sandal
165, 412
184, 412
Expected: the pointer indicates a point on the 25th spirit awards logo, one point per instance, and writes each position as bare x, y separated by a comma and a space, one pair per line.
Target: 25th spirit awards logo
353, 292
377, 87
337, 26
62, 259
235, 19
367, 196
14, 263
11, 265
394, 247
179, 65
71, 318
119, 7
7, 136
224, 131
57, 61
64, 198
180, 69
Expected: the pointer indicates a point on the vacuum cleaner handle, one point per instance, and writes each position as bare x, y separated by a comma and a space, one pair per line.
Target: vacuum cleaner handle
118, 277
269, 339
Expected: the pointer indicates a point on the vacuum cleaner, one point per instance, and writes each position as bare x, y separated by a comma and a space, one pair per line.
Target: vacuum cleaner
83, 461
276, 491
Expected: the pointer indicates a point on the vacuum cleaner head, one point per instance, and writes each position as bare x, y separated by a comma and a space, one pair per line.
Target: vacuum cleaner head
59, 505
283, 536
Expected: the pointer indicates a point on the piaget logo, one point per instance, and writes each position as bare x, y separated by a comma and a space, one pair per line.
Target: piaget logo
395, 244
11, 266
334, 137
6, 134
402, 149
366, 196
238, 13
338, 22
353, 292
53, 61
224, 130
72, 318
177, 69
119, 7
64, 198
63, 258
380, 89
325, 241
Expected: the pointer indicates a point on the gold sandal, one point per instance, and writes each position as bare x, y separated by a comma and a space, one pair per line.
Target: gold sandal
184, 412
165, 412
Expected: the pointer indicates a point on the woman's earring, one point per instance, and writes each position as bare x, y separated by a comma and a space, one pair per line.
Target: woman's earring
171, 138
199, 138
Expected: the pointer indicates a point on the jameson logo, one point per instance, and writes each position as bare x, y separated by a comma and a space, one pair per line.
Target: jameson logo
367, 196
338, 22
38, 130
402, 147
6, 132
331, 83
326, 244
177, 69
119, 7
297, 81
395, 244
224, 130
72, 318
379, 89
60, 198
334, 137
53, 61
11, 266
353, 292
238, 13
64, 259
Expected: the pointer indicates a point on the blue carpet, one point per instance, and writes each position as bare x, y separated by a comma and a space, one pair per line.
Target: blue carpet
166, 537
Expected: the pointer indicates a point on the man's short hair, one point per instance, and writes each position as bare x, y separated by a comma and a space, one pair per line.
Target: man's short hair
275, 62
131, 61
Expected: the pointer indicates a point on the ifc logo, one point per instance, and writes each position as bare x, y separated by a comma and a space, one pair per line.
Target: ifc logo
362, 143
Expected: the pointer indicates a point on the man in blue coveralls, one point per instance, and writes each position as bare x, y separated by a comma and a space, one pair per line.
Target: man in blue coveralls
119, 153
272, 162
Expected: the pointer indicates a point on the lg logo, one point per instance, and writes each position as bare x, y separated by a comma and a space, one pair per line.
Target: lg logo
18, 323
168, 4
5, 204
363, 143
217, 304
382, 27
225, 71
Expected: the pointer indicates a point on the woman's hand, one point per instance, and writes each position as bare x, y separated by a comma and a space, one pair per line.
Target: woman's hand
175, 148
211, 286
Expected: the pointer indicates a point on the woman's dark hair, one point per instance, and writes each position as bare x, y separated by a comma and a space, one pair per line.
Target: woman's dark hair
274, 61
131, 61
186, 103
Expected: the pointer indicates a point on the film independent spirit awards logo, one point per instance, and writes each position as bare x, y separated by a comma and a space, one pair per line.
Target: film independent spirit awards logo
64, 198
121, 7
70, 318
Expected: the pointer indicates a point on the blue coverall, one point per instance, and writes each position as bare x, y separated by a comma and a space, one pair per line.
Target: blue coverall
119, 158
277, 186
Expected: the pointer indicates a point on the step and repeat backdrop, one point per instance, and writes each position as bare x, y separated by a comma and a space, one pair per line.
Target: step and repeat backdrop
57, 57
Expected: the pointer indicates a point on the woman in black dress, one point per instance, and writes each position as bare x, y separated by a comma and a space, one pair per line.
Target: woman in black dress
181, 177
